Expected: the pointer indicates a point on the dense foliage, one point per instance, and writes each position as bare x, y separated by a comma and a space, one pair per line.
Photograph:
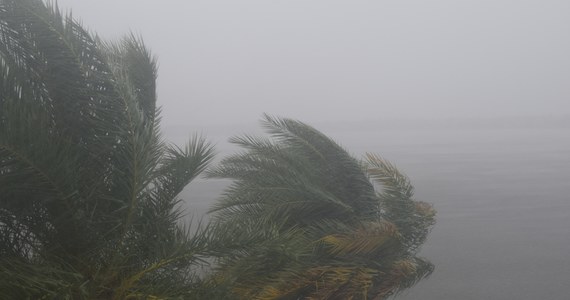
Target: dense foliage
88, 188
89, 205
307, 221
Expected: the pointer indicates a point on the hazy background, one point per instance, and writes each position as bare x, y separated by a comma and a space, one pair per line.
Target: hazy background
229, 61
468, 97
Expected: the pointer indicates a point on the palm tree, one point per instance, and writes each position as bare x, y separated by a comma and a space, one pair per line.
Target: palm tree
303, 219
88, 188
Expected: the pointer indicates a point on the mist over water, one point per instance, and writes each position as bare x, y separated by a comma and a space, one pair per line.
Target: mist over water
501, 191
500, 185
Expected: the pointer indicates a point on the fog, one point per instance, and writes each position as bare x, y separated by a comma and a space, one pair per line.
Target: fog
469, 98
229, 61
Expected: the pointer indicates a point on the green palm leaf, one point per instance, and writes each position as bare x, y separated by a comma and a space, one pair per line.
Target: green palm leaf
303, 220
89, 205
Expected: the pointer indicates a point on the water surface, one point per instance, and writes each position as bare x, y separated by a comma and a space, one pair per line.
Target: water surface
502, 196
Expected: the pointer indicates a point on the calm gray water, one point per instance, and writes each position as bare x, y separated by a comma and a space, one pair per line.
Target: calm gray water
502, 196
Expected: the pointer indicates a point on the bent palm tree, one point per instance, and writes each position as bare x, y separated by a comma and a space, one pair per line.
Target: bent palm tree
305, 220
88, 188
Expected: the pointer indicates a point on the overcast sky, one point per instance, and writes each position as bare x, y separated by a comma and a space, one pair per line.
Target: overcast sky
230, 61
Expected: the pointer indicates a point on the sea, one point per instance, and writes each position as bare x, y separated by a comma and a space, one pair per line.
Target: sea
501, 190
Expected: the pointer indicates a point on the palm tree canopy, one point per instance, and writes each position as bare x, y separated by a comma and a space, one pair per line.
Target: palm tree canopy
89, 189
308, 220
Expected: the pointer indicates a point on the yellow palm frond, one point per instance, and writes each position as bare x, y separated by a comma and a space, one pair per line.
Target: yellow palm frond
367, 239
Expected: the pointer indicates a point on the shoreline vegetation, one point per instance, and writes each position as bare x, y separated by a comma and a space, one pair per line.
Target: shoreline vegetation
90, 205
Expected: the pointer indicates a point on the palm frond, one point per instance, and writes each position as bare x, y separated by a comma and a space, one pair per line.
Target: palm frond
368, 240
303, 220
83, 167
21, 280
413, 218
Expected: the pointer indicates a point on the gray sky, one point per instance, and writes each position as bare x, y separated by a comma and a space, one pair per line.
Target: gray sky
230, 61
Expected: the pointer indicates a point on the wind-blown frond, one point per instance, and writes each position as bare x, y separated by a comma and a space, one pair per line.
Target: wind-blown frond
369, 240
85, 176
414, 218
21, 280
303, 220
299, 176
